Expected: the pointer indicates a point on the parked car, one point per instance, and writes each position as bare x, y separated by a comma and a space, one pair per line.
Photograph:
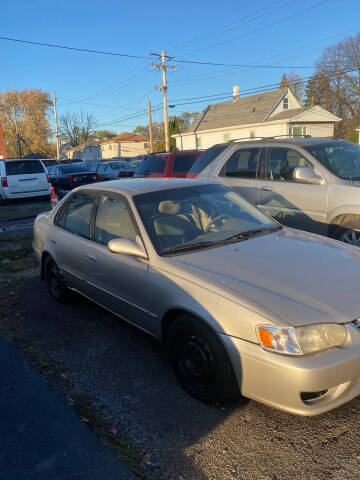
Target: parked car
67, 177
310, 184
241, 303
113, 170
50, 162
173, 164
21, 178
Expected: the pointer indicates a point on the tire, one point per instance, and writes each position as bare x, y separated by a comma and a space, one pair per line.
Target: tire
55, 283
346, 228
347, 235
200, 362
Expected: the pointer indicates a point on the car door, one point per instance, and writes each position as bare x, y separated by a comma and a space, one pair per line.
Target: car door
240, 172
292, 202
119, 282
70, 239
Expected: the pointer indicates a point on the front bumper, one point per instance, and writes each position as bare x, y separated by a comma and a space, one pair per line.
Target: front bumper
280, 380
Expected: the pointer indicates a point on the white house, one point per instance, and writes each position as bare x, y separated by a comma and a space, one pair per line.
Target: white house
125, 145
274, 113
90, 152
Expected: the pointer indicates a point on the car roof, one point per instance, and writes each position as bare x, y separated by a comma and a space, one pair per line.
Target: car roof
135, 186
302, 142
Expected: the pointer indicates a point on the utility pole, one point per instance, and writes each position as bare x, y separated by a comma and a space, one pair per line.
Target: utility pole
163, 87
150, 128
56, 128
17, 132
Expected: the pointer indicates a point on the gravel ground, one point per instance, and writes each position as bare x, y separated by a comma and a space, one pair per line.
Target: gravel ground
127, 374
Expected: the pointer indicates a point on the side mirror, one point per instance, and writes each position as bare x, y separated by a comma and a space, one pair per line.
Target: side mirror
127, 247
306, 174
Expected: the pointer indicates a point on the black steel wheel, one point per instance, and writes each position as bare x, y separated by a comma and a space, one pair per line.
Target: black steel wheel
55, 282
200, 361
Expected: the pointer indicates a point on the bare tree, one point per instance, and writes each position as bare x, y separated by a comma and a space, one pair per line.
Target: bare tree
77, 128
340, 63
296, 86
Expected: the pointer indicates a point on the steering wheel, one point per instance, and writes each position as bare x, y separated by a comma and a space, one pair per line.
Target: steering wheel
216, 219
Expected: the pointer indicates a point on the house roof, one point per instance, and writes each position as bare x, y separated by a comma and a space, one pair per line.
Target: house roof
298, 114
245, 110
126, 137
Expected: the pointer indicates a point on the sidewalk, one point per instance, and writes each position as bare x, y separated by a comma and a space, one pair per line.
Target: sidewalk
41, 437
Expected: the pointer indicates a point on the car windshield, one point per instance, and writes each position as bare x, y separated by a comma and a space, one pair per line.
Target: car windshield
189, 218
341, 158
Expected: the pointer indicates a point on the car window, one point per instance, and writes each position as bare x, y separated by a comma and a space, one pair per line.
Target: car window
206, 158
76, 214
281, 163
183, 163
242, 164
152, 164
23, 167
113, 220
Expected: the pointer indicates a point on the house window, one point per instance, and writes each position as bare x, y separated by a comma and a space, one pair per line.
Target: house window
146, 145
297, 131
285, 104
226, 137
110, 146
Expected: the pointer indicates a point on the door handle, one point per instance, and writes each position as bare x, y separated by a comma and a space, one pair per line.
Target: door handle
91, 258
267, 188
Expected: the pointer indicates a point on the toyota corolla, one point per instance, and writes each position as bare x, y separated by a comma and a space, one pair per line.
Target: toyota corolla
242, 304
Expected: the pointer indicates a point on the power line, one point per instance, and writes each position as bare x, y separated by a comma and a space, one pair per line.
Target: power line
101, 52
263, 28
230, 26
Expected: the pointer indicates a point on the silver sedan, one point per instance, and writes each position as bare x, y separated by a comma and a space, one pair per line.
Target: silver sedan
243, 305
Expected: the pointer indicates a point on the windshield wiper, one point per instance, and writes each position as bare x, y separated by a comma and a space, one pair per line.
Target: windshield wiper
188, 246
251, 233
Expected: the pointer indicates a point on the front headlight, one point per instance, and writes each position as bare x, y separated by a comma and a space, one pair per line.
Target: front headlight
302, 340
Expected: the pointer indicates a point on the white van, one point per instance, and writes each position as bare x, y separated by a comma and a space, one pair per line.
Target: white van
22, 178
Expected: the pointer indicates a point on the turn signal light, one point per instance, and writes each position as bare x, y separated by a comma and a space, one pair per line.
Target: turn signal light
4, 182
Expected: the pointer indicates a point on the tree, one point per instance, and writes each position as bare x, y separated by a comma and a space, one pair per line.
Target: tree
340, 64
32, 107
318, 92
296, 86
173, 129
76, 128
284, 82
104, 134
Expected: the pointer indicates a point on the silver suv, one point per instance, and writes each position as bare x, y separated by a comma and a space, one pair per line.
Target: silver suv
309, 184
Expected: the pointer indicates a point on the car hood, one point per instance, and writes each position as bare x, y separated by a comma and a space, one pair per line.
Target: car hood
289, 276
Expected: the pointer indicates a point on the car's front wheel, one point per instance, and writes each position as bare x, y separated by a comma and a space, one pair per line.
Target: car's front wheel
200, 361
55, 282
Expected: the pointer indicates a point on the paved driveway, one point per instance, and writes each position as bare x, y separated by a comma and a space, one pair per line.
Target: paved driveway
41, 437
128, 375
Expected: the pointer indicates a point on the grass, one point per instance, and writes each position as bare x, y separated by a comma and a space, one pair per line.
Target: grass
22, 249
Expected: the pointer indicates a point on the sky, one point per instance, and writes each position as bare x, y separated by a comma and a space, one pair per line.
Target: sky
286, 35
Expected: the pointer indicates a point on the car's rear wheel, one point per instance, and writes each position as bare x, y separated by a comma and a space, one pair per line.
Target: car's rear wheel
200, 361
55, 282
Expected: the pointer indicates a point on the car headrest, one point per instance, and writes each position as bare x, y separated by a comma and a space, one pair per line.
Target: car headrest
169, 207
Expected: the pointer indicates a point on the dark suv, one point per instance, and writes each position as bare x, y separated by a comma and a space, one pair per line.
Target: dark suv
310, 184
171, 164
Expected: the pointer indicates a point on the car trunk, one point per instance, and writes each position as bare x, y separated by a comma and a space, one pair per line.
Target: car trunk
26, 176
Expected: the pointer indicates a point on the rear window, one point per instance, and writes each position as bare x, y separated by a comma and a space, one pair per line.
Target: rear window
152, 164
206, 158
183, 163
23, 167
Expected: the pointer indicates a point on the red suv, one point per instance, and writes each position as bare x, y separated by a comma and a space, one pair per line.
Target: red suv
171, 164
